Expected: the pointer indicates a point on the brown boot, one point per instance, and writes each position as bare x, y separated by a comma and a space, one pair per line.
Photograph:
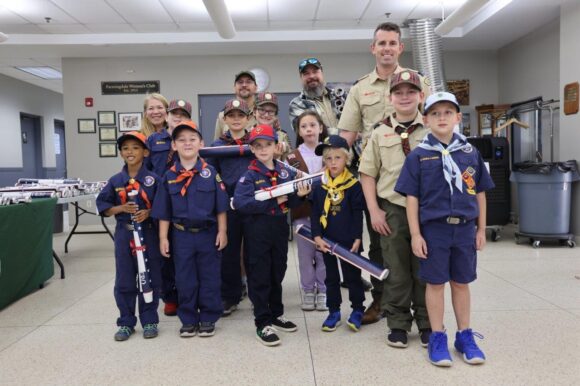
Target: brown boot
372, 313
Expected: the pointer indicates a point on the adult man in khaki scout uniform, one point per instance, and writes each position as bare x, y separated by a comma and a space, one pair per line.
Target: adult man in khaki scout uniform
245, 88
368, 104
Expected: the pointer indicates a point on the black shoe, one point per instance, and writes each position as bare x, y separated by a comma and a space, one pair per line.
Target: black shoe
397, 338
188, 330
425, 334
283, 324
267, 336
206, 329
229, 307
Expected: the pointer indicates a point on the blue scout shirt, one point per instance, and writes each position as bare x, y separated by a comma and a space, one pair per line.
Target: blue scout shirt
422, 177
230, 168
159, 147
115, 192
258, 177
204, 198
345, 217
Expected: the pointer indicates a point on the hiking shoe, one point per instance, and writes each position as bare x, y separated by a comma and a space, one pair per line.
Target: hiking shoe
170, 309
372, 313
355, 320
124, 333
229, 307
438, 351
206, 329
283, 324
397, 338
321, 301
308, 299
150, 331
188, 330
267, 336
331, 322
424, 334
465, 344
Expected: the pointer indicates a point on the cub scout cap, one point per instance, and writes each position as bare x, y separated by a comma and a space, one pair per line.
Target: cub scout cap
140, 137
309, 62
180, 104
265, 98
236, 104
263, 132
245, 73
185, 125
405, 77
333, 141
442, 96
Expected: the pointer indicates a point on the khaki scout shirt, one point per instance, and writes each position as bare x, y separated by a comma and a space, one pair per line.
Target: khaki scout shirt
383, 157
221, 127
368, 103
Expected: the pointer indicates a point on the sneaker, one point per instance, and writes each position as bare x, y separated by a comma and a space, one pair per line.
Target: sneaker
465, 344
188, 330
150, 331
355, 320
321, 302
438, 351
229, 307
124, 333
424, 334
267, 336
331, 322
397, 338
283, 324
206, 329
170, 309
308, 299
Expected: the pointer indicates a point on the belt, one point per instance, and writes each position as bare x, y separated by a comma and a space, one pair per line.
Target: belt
455, 220
188, 229
129, 226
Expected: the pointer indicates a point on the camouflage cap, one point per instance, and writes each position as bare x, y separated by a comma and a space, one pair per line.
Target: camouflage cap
264, 98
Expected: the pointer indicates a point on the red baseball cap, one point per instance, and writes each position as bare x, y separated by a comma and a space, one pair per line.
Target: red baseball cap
263, 132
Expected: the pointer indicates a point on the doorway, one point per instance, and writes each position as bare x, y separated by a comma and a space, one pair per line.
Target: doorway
31, 146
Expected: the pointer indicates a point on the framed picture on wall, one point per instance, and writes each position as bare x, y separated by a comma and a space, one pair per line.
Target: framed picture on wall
106, 118
107, 133
107, 149
129, 121
87, 126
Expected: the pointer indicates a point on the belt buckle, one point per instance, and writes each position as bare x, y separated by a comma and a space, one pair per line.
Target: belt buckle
453, 220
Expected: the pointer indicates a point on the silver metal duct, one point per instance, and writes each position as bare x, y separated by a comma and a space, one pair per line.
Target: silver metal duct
428, 51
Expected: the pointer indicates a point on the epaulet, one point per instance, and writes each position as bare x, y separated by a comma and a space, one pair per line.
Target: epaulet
384, 121
361, 78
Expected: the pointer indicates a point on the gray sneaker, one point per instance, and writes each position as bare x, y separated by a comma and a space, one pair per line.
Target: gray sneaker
308, 301
188, 330
150, 331
321, 301
206, 329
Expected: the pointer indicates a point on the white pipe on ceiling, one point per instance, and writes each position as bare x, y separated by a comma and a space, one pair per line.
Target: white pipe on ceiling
460, 16
218, 11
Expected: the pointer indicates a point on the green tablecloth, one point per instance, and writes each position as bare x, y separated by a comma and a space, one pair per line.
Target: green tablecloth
25, 248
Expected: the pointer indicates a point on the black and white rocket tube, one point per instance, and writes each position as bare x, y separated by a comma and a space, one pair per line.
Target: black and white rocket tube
289, 187
143, 276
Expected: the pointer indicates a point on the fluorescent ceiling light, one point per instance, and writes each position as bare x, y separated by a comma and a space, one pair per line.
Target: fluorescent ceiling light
42, 72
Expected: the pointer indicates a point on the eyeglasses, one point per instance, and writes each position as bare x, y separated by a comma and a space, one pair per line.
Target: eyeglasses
308, 61
267, 112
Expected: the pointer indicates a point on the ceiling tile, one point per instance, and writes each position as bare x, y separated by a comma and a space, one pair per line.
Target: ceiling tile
64, 28
110, 28
336, 24
95, 11
36, 11
248, 10
296, 10
341, 9
141, 11
21, 29
425, 10
290, 25
9, 17
186, 10
162, 27
399, 10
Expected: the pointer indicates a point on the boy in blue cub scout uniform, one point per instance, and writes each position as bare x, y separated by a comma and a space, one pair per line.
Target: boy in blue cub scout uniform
445, 180
160, 159
337, 213
192, 200
112, 201
236, 113
266, 234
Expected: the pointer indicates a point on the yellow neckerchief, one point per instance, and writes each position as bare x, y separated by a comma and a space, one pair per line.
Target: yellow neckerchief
335, 188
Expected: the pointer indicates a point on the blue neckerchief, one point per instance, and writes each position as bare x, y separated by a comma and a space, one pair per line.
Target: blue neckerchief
451, 171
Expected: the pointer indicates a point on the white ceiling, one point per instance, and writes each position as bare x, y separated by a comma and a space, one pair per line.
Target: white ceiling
113, 28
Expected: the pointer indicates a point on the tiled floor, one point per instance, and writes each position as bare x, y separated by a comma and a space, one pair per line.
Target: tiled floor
526, 302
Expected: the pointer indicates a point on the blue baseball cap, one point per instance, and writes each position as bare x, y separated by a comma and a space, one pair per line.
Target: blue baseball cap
333, 141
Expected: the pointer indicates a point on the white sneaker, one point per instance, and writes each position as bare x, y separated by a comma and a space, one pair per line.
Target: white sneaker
308, 301
321, 301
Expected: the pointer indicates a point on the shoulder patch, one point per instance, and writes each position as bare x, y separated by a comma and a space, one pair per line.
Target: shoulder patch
218, 178
467, 149
149, 181
205, 173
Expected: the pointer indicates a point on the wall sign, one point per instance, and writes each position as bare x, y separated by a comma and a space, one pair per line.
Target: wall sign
129, 87
571, 98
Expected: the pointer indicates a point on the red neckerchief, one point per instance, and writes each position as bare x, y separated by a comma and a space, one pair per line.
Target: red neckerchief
273, 176
187, 175
230, 141
134, 186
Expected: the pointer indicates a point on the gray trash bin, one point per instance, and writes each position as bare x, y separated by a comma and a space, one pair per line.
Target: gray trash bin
544, 196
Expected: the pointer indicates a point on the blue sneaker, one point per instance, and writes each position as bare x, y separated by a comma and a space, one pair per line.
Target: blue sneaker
150, 331
331, 322
465, 344
124, 333
437, 349
355, 320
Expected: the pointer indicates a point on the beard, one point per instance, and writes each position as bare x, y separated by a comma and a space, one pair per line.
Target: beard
315, 92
